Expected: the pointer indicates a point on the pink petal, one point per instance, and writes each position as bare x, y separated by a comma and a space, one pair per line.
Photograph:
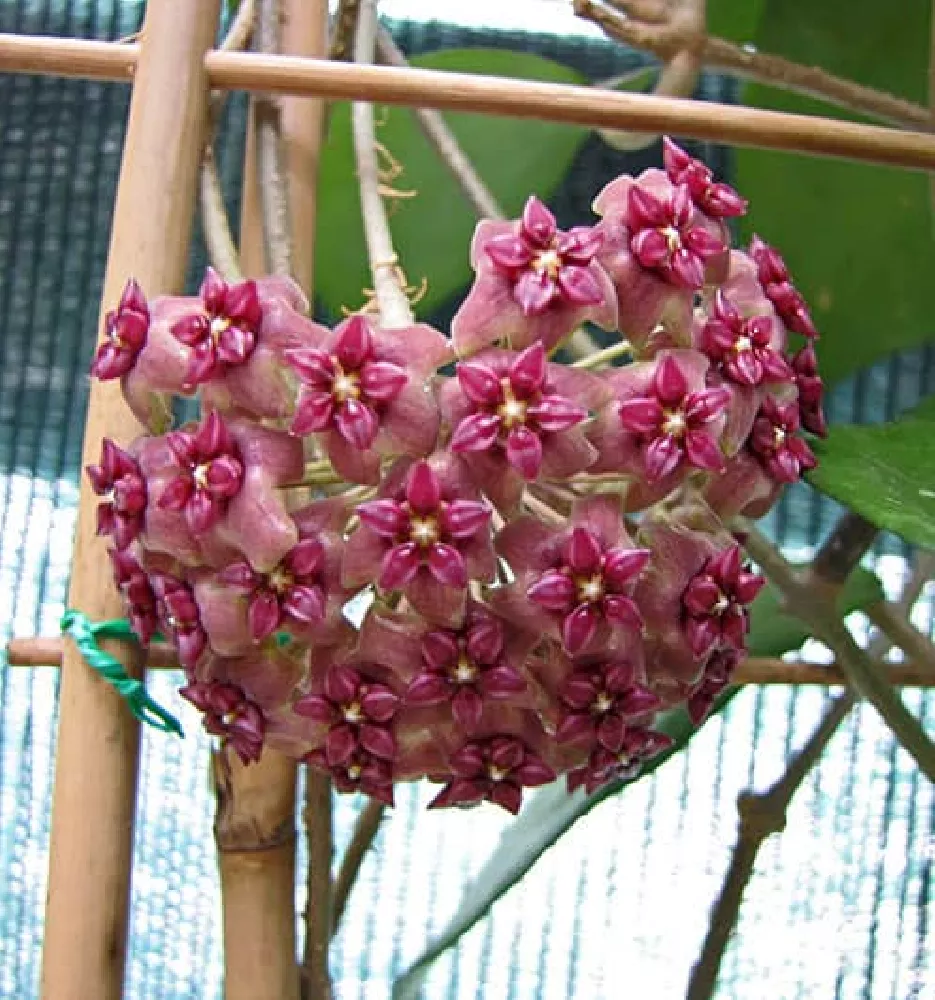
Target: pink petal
465, 518
622, 566
583, 550
423, 489
622, 611
555, 414
502, 682
382, 381
650, 247
354, 343
176, 494
399, 566
702, 633
527, 373
578, 286
428, 689
644, 209
202, 512
340, 744
357, 424
235, 345
662, 456
304, 603
485, 641
705, 405
342, 684
315, 367
314, 413
306, 558
263, 614
238, 575
610, 732
669, 382
478, 432
534, 292
508, 253
553, 591
506, 795
447, 565
538, 223
379, 741
703, 451
524, 452
579, 628
384, 517
479, 383
313, 706
640, 416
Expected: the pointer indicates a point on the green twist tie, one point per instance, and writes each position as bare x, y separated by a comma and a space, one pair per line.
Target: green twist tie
85, 634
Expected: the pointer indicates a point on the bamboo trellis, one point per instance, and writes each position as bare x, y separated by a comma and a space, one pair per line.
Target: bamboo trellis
171, 71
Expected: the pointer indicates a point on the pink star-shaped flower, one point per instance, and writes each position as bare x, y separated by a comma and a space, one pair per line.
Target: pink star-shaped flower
427, 535
718, 200
776, 443
223, 332
744, 348
119, 481
573, 583
497, 770
518, 417
229, 714
534, 283
125, 331
363, 392
715, 602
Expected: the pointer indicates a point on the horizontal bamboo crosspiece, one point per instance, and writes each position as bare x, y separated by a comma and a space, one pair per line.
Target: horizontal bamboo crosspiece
491, 95
47, 652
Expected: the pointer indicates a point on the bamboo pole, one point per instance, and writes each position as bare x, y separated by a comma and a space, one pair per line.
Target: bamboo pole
255, 825
47, 652
493, 95
98, 740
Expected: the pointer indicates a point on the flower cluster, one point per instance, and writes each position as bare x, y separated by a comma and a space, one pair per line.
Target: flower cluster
540, 547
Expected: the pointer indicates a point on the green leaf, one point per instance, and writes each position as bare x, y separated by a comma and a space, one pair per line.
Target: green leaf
857, 238
735, 19
551, 812
773, 632
884, 472
432, 229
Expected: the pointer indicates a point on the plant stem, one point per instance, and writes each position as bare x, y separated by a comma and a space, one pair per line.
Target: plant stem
365, 831
442, 139
842, 550
270, 157
898, 630
345, 28
316, 983
384, 264
219, 240
665, 39
609, 354
821, 616
761, 814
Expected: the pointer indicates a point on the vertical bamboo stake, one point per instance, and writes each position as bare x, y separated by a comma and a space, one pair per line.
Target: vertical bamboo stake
98, 741
255, 826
